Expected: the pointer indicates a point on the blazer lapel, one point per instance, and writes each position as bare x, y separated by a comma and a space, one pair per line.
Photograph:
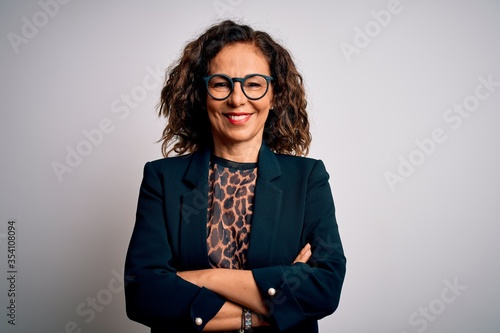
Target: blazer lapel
194, 204
265, 218
266, 213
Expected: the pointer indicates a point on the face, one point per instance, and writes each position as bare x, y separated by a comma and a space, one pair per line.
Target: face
238, 121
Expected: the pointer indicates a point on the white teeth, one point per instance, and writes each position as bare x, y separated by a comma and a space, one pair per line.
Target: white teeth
233, 117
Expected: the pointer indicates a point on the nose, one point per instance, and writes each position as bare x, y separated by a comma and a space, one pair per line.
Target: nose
237, 97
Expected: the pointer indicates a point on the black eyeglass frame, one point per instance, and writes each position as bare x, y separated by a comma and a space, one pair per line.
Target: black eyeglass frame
241, 80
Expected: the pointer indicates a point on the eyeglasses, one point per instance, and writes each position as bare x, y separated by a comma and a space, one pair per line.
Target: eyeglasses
254, 86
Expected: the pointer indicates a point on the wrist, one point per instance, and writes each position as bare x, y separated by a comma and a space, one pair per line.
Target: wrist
246, 321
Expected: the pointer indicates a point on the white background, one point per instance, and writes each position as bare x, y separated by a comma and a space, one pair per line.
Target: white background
406, 241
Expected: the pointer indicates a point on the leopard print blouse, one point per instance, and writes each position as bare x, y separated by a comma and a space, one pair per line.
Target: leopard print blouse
230, 209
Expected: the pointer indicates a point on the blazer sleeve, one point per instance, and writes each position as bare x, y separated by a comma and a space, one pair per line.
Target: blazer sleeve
298, 292
155, 295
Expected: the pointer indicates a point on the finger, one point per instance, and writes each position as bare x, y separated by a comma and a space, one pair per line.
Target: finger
304, 250
304, 254
303, 258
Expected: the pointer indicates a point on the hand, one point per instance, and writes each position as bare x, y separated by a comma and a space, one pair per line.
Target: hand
304, 254
258, 320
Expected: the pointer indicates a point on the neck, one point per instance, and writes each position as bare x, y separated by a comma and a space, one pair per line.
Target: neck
243, 153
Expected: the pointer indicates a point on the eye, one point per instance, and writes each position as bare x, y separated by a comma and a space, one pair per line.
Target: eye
220, 84
255, 82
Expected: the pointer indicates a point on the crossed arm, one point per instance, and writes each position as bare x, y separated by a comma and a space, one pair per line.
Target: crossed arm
240, 290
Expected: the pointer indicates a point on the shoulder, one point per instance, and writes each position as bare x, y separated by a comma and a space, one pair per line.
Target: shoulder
176, 165
171, 161
295, 160
290, 162
273, 165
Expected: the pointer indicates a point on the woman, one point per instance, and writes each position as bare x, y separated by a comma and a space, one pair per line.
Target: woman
238, 231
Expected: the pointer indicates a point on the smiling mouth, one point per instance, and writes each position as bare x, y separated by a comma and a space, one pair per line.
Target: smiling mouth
238, 117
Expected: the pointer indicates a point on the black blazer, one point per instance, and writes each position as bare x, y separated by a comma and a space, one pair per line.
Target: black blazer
293, 206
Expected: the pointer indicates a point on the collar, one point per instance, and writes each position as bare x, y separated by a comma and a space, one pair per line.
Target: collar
267, 164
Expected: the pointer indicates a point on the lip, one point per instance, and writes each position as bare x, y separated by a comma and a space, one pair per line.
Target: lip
237, 118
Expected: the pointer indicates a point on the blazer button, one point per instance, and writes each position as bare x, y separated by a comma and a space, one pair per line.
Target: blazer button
271, 291
198, 321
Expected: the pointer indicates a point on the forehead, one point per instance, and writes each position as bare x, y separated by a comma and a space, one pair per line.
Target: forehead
239, 60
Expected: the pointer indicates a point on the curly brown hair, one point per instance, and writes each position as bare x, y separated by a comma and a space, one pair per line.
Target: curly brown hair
183, 98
